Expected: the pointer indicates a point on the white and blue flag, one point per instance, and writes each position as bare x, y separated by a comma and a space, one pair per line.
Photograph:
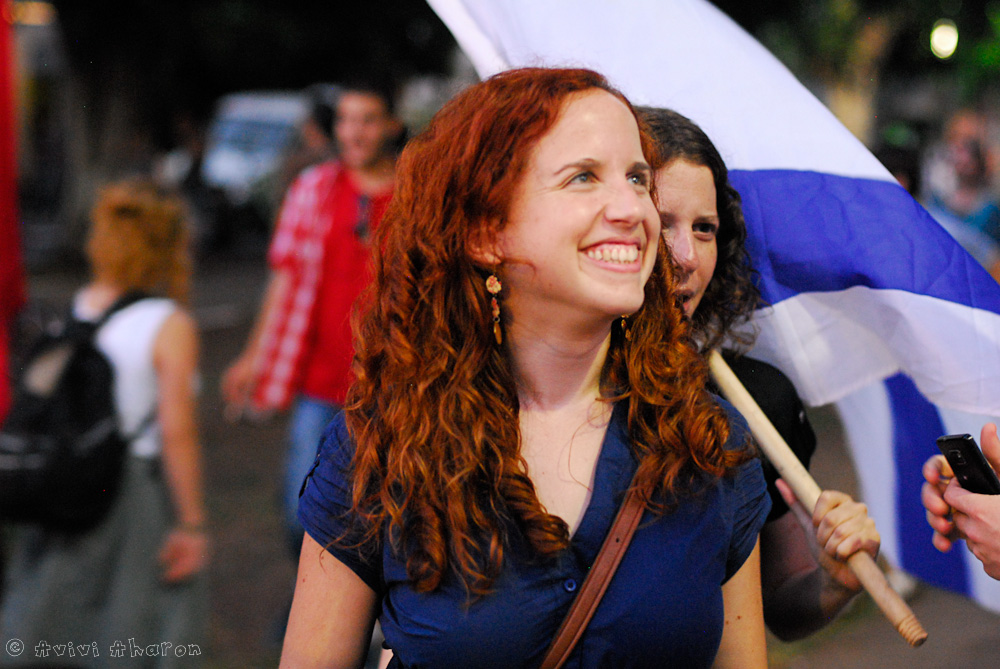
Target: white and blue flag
873, 305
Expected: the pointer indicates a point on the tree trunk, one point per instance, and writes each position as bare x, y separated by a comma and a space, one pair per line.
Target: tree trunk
851, 95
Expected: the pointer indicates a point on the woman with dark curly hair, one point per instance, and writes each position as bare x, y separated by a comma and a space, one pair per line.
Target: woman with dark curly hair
520, 363
804, 587
718, 296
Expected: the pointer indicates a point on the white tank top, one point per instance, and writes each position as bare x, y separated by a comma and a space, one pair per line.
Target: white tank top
127, 340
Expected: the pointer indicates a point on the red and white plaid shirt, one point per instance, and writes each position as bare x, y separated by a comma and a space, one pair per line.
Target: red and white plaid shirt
297, 247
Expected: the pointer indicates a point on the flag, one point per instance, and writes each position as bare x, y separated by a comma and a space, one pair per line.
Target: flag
872, 304
12, 289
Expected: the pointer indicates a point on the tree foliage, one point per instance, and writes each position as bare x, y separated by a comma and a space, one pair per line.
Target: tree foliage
825, 40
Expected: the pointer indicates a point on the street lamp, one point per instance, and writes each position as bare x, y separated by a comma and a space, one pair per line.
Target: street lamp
944, 38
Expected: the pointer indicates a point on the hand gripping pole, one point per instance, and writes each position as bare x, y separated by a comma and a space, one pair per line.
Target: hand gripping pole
802, 484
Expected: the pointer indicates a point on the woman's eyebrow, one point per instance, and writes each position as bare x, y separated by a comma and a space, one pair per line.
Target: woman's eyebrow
641, 166
582, 164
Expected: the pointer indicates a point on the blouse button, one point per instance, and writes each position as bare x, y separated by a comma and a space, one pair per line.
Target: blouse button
569, 585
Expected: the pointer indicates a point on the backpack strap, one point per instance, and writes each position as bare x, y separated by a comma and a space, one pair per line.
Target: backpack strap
85, 330
126, 300
146, 423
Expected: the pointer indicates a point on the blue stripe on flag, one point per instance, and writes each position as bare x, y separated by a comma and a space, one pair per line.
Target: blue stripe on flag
816, 232
916, 424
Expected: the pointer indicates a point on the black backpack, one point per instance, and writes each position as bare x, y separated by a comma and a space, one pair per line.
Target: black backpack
61, 452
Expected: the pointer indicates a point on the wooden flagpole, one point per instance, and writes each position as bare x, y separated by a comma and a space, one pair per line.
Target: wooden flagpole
807, 491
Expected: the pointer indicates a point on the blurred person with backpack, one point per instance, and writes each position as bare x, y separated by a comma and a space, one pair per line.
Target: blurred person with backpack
135, 581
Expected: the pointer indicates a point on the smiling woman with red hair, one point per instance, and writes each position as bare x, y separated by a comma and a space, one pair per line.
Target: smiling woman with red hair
520, 365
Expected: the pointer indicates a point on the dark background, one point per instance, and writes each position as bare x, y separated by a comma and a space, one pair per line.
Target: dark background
162, 58
185, 53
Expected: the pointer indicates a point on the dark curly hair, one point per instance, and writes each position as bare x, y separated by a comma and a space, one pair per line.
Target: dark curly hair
731, 296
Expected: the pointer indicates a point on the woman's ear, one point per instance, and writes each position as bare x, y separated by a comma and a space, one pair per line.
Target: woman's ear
483, 247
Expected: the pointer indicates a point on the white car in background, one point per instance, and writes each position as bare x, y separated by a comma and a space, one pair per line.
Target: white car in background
248, 138
251, 137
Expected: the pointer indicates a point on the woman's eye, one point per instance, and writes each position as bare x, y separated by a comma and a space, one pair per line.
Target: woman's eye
706, 229
582, 178
640, 179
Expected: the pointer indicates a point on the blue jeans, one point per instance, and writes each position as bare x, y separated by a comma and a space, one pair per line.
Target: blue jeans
308, 421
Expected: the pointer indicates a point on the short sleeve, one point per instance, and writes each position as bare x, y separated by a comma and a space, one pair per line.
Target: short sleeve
298, 215
749, 502
325, 507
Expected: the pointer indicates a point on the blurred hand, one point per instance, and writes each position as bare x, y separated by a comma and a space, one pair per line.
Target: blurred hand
976, 518
184, 553
841, 527
237, 385
937, 474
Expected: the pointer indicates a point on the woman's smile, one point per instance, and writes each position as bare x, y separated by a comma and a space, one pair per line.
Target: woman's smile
621, 256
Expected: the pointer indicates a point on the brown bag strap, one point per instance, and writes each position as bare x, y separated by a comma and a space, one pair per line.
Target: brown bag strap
596, 582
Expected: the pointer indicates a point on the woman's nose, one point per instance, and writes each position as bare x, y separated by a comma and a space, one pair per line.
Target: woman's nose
628, 204
681, 243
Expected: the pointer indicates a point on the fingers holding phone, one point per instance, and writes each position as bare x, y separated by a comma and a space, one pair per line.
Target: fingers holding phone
977, 520
972, 498
937, 474
972, 471
991, 445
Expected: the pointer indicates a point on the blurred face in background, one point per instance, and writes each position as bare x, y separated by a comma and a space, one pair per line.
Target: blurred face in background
690, 221
364, 129
969, 162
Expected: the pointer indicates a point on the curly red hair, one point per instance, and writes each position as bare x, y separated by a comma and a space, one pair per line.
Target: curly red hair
434, 408
139, 239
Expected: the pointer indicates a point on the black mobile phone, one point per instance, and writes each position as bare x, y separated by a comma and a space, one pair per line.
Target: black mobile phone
969, 464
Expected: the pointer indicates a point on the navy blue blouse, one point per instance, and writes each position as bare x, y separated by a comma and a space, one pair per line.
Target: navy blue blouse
662, 608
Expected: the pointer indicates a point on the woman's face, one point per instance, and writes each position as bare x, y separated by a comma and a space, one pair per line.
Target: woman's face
690, 220
581, 232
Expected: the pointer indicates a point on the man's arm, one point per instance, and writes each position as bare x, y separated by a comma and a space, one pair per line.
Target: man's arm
240, 378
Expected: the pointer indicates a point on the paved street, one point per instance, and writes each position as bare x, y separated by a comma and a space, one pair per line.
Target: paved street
252, 575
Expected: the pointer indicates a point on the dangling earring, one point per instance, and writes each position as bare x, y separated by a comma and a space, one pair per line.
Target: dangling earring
493, 288
628, 334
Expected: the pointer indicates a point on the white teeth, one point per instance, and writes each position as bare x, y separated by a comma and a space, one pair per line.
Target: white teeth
618, 253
